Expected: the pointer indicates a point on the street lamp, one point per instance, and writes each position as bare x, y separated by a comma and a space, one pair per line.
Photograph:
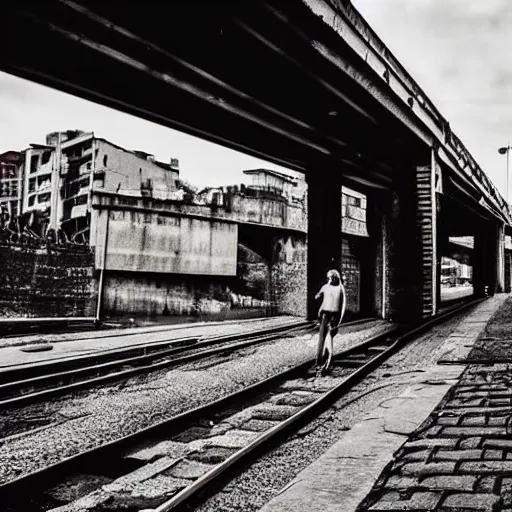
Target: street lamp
505, 151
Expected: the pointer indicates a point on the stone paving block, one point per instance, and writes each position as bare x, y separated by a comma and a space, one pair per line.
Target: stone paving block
474, 402
422, 469
473, 431
485, 484
458, 455
501, 444
486, 466
421, 455
449, 483
470, 443
448, 420
430, 443
473, 502
434, 431
474, 420
497, 420
464, 395
493, 454
419, 501
171, 449
397, 482
473, 411
506, 491
499, 402
189, 469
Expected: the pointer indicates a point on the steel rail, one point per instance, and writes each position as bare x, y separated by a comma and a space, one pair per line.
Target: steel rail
203, 352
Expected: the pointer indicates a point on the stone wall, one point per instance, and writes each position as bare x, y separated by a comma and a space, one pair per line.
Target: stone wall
288, 278
45, 281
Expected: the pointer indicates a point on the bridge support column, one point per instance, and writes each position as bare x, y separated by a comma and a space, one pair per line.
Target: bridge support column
411, 247
485, 269
402, 254
427, 223
374, 277
324, 232
500, 281
508, 271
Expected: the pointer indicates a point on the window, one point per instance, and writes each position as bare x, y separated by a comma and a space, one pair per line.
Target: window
45, 157
105, 160
34, 162
31, 200
32, 185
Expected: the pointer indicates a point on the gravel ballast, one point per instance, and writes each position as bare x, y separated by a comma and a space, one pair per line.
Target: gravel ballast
91, 418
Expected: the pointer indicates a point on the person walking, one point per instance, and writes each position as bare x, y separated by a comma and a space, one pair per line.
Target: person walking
330, 315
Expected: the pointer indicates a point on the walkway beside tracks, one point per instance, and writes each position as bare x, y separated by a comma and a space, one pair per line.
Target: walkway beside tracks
15, 350
410, 453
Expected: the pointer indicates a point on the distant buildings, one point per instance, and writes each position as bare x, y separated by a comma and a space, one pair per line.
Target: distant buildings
10, 182
50, 188
58, 179
272, 182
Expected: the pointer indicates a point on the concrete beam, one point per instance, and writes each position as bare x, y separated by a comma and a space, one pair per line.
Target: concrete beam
398, 92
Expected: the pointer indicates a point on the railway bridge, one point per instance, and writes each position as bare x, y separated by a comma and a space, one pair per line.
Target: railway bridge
305, 84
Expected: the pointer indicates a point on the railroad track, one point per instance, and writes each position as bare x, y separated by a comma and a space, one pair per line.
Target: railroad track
24, 385
185, 457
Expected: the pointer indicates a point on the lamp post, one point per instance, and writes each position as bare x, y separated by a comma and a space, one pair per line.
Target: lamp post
503, 151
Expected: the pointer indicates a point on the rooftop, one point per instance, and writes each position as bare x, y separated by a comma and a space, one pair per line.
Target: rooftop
270, 172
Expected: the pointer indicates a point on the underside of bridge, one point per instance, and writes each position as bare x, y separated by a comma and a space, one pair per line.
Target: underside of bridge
270, 79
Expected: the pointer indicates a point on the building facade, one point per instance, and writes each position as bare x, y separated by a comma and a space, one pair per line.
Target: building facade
10, 182
59, 178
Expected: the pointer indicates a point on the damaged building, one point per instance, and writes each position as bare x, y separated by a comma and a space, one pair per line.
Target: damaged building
60, 177
10, 183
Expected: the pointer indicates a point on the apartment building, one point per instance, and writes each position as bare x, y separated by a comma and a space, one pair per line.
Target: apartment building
59, 177
10, 182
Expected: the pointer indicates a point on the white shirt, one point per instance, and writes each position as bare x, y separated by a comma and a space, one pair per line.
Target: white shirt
331, 297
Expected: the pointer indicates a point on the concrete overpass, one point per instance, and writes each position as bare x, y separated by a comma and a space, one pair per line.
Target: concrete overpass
303, 83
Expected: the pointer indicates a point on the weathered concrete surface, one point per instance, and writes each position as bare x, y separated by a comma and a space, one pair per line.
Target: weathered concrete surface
342, 477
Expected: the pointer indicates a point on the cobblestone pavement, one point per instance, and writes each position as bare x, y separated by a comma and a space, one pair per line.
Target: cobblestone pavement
460, 459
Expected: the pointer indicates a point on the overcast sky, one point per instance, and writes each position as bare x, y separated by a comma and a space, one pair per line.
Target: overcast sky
29, 111
459, 52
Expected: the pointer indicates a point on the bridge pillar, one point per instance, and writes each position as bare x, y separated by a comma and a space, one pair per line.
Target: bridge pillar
427, 224
402, 254
374, 276
485, 269
500, 281
412, 247
324, 232
508, 271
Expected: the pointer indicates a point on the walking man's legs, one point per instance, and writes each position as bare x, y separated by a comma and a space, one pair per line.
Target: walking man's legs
324, 326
